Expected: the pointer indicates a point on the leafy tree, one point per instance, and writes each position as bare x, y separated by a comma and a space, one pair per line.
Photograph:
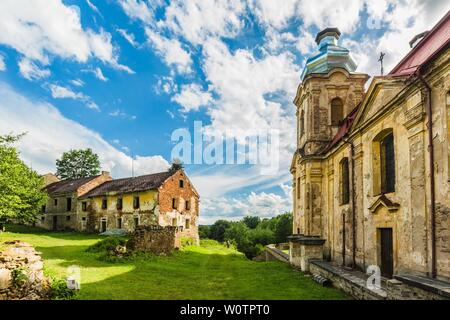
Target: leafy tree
283, 227
262, 236
251, 221
237, 232
21, 194
176, 165
204, 231
76, 164
217, 230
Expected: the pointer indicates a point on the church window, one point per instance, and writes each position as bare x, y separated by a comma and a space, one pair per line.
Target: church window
337, 111
383, 163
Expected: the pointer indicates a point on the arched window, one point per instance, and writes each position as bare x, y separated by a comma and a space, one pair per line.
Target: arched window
344, 181
337, 111
384, 162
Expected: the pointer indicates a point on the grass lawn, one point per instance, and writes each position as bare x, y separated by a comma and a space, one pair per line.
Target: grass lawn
209, 271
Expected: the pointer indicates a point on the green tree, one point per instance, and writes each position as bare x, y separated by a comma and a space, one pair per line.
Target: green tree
176, 165
283, 227
217, 230
21, 194
261, 236
251, 221
204, 231
76, 164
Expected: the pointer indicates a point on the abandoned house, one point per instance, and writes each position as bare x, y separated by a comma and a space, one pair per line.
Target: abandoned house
100, 203
371, 173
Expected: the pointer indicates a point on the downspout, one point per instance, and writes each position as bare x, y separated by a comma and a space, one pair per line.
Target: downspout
429, 113
352, 164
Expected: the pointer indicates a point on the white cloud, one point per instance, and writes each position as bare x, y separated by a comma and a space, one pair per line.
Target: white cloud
42, 28
99, 74
77, 82
2, 63
128, 36
171, 51
274, 13
29, 70
59, 92
261, 204
93, 7
137, 9
192, 97
122, 114
49, 134
198, 20
343, 14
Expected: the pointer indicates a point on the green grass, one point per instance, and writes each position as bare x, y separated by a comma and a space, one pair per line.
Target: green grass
209, 271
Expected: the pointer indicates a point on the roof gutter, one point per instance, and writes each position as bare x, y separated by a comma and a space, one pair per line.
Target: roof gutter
429, 113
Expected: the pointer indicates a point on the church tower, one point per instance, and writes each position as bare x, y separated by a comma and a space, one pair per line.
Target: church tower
329, 90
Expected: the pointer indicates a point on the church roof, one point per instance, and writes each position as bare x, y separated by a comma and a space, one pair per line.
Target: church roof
329, 55
430, 45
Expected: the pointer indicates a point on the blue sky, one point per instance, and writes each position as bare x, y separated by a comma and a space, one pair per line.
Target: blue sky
121, 76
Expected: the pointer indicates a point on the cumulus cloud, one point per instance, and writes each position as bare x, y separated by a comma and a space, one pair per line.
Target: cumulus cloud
42, 28
192, 97
49, 134
199, 20
261, 204
171, 51
29, 70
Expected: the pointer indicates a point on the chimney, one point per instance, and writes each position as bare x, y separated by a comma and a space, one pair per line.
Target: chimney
105, 173
417, 38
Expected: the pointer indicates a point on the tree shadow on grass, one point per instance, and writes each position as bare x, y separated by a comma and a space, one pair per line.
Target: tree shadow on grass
63, 235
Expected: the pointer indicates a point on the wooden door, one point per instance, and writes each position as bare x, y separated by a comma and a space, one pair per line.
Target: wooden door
386, 252
55, 223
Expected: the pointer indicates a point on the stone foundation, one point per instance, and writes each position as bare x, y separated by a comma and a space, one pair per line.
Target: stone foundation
155, 239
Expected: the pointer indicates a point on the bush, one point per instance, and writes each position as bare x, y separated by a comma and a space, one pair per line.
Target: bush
60, 291
217, 230
106, 245
19, 277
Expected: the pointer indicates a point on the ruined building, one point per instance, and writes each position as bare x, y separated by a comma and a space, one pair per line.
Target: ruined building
371, 173
100, 203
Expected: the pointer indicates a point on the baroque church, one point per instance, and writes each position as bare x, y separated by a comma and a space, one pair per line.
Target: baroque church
371, 173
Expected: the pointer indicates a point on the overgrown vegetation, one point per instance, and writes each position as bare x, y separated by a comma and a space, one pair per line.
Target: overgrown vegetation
21, 195
251, 234
60, 291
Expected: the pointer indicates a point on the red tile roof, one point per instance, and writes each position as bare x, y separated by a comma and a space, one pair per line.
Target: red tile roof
343, 129
436, 40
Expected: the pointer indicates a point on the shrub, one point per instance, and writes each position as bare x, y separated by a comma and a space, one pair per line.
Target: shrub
60, 291
106, 245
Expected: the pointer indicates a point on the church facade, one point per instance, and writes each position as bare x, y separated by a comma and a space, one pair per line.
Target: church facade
371, 174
